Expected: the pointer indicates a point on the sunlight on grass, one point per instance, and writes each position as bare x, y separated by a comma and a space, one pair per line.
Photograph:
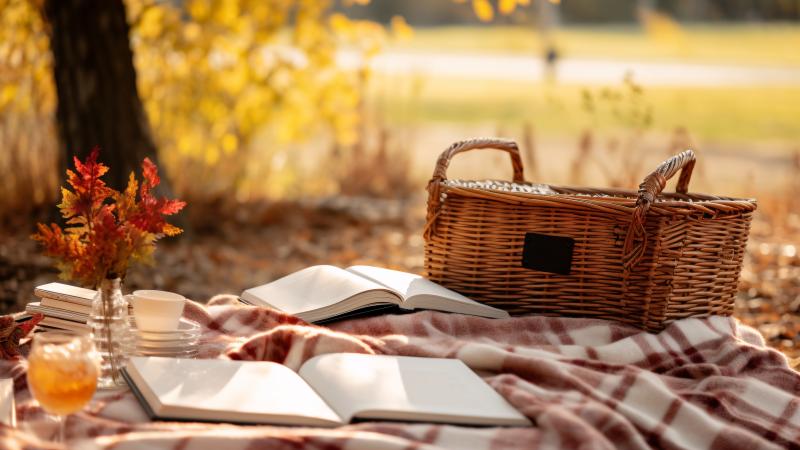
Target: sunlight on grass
730, 44
732, 114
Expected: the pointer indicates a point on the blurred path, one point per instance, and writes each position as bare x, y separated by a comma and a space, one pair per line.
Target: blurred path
574, 70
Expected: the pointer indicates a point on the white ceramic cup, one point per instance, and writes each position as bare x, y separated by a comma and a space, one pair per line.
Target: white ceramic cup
157, 310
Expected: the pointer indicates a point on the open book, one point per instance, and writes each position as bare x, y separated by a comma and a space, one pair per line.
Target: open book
328, 390
322, 293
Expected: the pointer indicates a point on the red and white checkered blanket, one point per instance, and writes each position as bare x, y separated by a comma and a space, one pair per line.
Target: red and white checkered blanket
701, 383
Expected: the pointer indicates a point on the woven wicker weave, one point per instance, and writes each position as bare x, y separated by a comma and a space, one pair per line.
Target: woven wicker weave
645, 258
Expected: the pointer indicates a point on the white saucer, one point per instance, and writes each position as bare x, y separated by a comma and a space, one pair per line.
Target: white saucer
175, 354
166, 344
186, 329
182, 342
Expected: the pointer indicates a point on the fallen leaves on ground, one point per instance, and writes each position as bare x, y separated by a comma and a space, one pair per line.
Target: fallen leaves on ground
240, 247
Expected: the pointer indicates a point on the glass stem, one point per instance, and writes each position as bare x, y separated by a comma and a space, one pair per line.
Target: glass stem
62, 426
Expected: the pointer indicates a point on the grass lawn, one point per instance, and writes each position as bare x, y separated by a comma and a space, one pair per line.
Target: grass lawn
737, 115
732, 116
772, 44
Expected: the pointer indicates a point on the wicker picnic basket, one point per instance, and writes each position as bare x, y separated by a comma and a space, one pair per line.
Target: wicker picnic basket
644, 258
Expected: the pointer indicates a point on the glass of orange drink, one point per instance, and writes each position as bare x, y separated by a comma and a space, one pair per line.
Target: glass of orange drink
62, 373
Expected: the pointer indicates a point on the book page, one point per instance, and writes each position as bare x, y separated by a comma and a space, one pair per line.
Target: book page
55, 322
37, 307
66, 293
225, 390
383, 387
8, 413
69, 306
419, 292
315, 288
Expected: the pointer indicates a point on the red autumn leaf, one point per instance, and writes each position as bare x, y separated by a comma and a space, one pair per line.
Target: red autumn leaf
106, 228
108, 240
150, 174
89, 191
150, 216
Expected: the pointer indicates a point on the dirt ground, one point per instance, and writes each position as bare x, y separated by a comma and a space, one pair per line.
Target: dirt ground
236, 248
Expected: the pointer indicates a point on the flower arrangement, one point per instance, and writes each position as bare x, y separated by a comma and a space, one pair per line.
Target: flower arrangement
106, 229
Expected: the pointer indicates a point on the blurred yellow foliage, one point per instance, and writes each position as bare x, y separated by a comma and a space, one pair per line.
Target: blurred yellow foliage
219, 75
26, 84
27, 109
663, 29
485, 11
223, 82
212, 74
400, 29
506, 6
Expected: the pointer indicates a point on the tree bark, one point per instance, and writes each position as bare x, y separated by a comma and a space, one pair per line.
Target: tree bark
98, 101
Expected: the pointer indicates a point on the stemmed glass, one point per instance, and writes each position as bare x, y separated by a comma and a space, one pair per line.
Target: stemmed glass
62, 373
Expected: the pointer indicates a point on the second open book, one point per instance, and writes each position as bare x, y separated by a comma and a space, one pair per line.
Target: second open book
328, 390
321, 293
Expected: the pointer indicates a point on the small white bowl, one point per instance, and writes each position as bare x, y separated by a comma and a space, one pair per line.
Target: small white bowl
157, 310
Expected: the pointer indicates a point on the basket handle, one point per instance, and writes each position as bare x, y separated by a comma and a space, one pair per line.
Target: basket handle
506, 145
440, 172
653, 184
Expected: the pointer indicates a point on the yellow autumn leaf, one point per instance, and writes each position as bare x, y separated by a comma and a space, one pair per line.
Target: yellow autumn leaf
185, 144
191, 32
150, 24
340, 23
226, 13
7, 94
211, 155
199, 9
229, 143
400, 29
507, 7
483, 10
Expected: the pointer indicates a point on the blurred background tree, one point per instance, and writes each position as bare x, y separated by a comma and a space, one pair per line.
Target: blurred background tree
225, 86
212, 74
98, 99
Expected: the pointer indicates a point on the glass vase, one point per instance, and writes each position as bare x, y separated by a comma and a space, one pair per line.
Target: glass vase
111, 332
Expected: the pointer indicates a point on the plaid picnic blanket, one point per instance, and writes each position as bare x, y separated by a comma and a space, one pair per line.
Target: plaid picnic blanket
584, 383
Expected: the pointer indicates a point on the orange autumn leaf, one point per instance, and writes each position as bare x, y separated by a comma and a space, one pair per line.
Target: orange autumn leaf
88, 189
106, 229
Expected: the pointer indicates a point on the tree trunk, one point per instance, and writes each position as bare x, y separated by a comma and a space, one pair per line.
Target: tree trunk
98, 101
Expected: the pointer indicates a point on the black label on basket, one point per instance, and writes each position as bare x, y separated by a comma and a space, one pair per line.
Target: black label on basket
548, 253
